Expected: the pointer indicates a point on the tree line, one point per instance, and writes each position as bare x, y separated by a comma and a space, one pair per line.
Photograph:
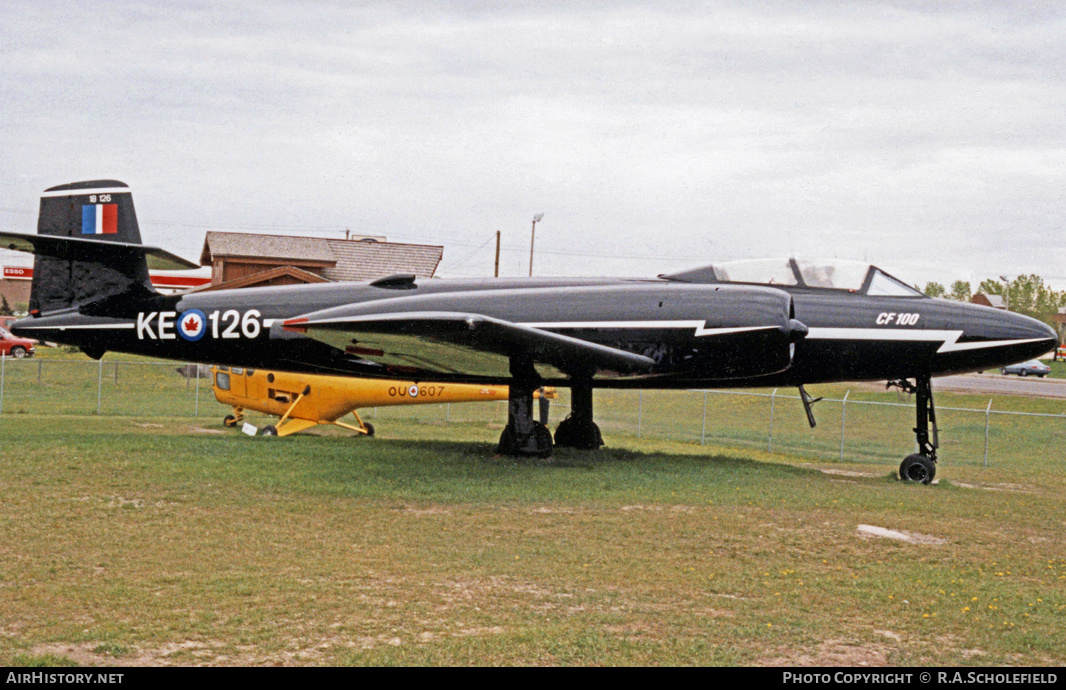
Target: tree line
1027, 294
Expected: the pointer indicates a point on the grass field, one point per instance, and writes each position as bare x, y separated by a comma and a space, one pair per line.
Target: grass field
146, 539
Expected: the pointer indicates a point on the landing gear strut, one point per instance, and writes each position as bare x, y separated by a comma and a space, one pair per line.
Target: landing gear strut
578, 430
921, 466
523, 435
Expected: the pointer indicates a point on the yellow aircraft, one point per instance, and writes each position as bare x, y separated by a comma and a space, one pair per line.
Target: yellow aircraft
305, 400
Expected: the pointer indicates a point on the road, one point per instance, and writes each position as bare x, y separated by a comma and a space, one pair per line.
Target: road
997, 384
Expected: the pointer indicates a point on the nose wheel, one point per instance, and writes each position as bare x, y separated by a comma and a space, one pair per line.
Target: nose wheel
917, 468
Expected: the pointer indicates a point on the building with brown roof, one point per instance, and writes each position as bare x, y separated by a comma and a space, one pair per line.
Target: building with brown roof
245, 260
994, 301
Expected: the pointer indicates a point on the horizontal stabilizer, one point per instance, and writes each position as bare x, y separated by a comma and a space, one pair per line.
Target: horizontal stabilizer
78, 249
464, 344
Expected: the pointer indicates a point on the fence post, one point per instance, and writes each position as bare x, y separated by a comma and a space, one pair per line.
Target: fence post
703, 430
770, 437
99, 383
843, 414
3, 361
988, 412
196, 407
640, 411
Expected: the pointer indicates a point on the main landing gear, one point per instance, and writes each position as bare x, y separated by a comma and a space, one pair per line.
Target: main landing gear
921, 466
578, 430
523, 435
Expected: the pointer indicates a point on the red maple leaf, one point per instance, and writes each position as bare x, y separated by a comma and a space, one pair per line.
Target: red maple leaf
192, 323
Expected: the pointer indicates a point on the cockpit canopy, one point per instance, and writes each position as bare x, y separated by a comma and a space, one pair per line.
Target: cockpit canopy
853, 276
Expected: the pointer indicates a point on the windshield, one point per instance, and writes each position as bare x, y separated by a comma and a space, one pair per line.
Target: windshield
854, 276
883, 284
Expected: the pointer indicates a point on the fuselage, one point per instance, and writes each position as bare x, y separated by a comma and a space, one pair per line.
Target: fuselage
697, 333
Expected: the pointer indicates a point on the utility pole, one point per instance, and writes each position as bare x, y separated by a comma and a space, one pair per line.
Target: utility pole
497, 273
532, 236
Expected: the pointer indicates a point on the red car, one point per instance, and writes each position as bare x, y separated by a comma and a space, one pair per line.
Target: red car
13, 346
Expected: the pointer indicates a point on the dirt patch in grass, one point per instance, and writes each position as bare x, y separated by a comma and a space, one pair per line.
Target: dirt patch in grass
1011, 488
175, 654
833, 653
874, 532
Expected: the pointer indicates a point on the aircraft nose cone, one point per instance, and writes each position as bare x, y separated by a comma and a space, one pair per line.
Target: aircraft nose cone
991, 338
1029, 337
1026, 327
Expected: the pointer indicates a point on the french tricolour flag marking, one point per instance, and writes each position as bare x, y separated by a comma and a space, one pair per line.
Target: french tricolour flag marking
99, 219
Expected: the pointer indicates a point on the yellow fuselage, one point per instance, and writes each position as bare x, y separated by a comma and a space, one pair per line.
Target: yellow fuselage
304, 400
332, 397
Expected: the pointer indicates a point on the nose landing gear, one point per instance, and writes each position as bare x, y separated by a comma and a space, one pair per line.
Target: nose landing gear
921, 466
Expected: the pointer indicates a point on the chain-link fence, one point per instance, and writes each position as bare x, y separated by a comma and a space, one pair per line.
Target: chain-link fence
848, 428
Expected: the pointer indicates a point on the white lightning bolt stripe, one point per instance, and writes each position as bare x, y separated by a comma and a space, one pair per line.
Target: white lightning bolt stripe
949, 339
267, 323
83, 192
699, 327
81, 326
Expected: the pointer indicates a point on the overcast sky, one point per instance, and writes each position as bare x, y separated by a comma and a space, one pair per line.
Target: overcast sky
927, 138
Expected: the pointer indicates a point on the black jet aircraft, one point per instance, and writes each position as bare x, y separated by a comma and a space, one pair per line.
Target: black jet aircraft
741, 324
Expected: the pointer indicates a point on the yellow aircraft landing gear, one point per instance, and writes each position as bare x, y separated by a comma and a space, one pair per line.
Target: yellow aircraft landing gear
364, 428
232, 420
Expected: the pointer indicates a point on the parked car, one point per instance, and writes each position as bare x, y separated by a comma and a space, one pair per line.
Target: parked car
1032, 367
13, 346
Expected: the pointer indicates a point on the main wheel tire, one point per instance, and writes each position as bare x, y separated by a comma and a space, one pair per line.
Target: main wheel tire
564, 437
543, 436
569, 435
507, 444
229, 421
917, 468
542, 439
369, 428
269, 430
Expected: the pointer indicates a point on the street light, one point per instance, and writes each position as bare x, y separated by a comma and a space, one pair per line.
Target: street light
532, 236
1006, 299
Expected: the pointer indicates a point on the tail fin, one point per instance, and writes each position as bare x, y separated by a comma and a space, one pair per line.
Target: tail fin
99, 211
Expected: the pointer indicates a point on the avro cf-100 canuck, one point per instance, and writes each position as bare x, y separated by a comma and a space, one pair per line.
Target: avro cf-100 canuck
740, 324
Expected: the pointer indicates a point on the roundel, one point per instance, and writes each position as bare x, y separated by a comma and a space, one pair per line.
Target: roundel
192, 325
413, 391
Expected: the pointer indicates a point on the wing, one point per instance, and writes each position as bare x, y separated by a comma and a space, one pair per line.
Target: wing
78, 249
465, 345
